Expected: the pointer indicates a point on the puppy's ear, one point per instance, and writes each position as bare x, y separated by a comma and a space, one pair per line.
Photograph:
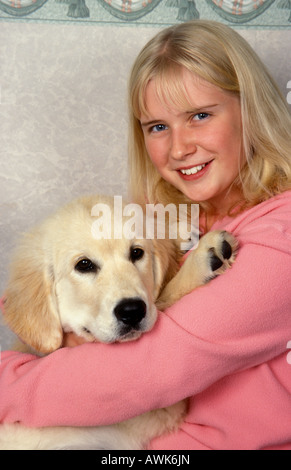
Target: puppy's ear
166, 259
30, 303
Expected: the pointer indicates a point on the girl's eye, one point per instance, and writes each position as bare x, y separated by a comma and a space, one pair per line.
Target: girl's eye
158, 128
200, 116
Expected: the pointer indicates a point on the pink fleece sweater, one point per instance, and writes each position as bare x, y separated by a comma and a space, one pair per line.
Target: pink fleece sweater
224, 345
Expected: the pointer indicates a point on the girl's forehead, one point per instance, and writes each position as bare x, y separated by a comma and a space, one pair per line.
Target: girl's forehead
183, 92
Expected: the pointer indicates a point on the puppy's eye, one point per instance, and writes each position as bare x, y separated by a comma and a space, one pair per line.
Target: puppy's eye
136, 254
85, 265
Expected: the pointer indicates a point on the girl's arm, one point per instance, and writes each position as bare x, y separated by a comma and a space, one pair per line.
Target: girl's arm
239, 320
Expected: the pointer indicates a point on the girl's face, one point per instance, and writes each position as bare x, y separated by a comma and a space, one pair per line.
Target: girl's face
199, 149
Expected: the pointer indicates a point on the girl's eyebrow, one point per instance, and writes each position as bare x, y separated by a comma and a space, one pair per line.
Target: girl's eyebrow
201, 108
193, 111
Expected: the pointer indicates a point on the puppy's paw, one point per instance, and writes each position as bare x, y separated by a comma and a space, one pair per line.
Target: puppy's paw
220, 249
215, 253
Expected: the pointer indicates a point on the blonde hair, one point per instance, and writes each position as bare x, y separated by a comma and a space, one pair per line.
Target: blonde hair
219, 55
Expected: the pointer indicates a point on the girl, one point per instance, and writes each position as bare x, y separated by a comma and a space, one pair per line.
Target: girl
207, 125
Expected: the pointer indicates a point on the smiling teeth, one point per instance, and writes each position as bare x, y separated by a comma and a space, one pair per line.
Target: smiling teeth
194, 170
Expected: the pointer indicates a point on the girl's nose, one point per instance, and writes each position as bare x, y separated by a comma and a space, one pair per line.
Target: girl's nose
182, 144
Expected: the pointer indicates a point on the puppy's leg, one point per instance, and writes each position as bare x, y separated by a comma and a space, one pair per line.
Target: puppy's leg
215, 253
142, 429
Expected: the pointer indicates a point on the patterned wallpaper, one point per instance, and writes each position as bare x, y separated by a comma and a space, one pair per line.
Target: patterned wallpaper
252, 13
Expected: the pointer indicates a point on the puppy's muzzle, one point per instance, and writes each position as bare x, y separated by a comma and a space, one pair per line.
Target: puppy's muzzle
130, 312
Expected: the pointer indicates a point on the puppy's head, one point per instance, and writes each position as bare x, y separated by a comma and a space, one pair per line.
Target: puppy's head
65, 279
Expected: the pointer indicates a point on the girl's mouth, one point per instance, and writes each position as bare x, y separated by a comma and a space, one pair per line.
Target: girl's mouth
198, 170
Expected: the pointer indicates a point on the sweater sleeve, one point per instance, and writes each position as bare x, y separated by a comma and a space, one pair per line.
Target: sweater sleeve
237, 321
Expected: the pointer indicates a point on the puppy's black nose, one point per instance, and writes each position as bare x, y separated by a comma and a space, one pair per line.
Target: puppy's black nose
130, 311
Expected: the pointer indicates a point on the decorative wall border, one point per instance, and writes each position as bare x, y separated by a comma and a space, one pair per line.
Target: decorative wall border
250, 13
240, 12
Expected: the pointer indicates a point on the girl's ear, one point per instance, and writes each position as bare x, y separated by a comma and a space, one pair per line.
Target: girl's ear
30, 304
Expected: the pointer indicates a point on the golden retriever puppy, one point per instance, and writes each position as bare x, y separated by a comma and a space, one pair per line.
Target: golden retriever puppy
66, 279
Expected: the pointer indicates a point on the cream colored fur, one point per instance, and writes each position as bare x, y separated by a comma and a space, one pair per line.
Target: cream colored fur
46, 296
